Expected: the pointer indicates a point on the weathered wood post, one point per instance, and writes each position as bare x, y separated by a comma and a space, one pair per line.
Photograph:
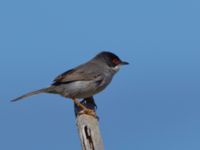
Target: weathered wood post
88, 127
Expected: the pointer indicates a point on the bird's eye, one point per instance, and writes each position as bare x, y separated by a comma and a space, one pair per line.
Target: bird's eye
116, 61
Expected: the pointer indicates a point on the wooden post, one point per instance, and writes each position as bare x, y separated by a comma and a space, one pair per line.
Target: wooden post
88, 127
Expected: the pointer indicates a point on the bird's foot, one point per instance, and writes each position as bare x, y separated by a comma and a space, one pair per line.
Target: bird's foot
88, 112
81, 109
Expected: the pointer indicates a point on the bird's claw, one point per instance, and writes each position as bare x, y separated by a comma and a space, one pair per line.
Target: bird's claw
88, 112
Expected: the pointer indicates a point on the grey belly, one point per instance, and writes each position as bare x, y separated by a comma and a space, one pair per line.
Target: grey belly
79, 89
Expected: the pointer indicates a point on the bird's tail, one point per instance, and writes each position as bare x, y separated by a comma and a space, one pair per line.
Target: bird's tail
44, 90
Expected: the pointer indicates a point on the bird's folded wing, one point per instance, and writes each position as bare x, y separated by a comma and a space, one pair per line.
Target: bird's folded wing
77, 74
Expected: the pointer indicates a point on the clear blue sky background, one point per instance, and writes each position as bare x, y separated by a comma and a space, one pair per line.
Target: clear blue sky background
151, 104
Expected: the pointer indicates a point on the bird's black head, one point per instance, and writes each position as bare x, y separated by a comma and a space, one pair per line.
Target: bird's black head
110, 59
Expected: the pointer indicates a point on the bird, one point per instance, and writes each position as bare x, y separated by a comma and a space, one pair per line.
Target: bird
85, 80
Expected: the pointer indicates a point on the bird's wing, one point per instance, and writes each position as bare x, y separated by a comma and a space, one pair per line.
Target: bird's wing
80, 73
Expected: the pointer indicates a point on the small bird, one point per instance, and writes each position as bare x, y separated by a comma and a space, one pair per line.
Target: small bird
85, 80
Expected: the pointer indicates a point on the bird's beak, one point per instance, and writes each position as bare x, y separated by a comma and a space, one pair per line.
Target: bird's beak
124, 63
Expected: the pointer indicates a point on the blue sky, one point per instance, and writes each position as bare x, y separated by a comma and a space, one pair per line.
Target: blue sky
151, 104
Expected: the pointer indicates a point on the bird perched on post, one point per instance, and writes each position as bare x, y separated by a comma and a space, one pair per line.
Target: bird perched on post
85, 80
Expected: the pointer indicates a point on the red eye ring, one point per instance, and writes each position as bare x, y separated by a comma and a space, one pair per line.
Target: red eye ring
116, 61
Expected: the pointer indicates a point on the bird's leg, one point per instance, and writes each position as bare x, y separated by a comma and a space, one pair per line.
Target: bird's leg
85, 109
79, 104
